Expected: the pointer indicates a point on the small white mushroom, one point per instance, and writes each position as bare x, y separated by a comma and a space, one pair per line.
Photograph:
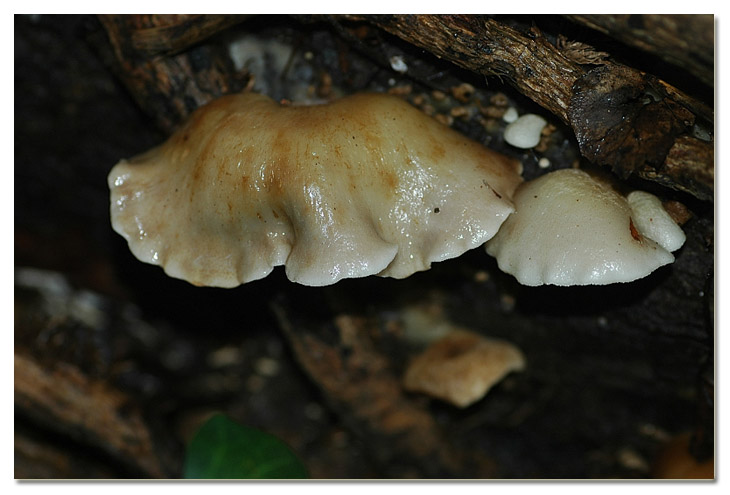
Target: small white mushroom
365, 185
510, 115
572, 229
525, 131
543, 162
461, 367
398, 64
654, 222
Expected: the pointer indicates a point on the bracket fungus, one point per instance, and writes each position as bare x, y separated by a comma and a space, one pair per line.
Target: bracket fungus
570, 228
366, 185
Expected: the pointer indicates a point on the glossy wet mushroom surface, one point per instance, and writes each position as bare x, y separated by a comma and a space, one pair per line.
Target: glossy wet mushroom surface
156, 354
570, 228
365, 185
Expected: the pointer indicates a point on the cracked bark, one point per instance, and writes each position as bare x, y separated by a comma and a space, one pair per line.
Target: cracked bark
538, 69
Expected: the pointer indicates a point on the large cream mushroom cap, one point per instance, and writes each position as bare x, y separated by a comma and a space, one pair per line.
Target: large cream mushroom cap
571, 229
365, 185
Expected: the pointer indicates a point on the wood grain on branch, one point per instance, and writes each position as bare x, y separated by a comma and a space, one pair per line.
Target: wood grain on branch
611, 107
90, 411
169, 87
173, 33
686, 41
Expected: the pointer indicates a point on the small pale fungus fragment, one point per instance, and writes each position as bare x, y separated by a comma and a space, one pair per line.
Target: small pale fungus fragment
462, 367
654, 221
510, 115
398, 64
525, 131
572, 229
421, 324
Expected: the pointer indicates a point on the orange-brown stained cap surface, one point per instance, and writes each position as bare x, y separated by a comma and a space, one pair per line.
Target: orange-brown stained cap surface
365, 185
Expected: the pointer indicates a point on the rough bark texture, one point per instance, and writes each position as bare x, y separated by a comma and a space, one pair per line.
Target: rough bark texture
169, 86
168, 34
538, 69
618, 124
686, 41
486, 46
553, 78
613, 373
87, 410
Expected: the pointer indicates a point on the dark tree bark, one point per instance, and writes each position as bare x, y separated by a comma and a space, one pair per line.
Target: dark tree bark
607, 107
612, 372
169, 34
169, 85
686, 41
579, 96
90, 411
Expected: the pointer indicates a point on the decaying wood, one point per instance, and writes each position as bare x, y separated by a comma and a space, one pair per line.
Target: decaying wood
169, 88
605, 106
684, 40
169, 34
359, 383
37, 458
579, 52
609, 368
89, 410
487, 47
685, 167
626, 120
541, 72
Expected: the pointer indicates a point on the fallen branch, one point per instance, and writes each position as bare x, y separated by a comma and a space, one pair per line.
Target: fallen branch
88, 410
622, 117
169, 87
686, 41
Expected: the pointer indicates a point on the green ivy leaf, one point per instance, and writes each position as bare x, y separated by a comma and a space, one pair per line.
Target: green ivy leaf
224, 449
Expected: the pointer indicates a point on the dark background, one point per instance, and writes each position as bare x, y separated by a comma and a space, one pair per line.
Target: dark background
613, 372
